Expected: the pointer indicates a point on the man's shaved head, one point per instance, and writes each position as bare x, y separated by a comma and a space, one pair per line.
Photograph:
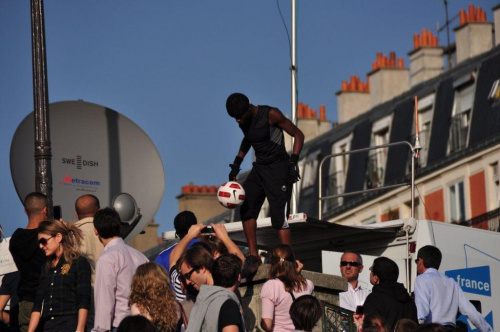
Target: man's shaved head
86, 206
34, 203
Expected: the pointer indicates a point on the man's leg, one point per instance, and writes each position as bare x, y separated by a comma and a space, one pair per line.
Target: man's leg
285, 236
250, 229
25, 308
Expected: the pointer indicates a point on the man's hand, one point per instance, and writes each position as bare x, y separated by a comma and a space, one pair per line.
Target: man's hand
220, 231
300, 266
293, 174
235, 169
195, 230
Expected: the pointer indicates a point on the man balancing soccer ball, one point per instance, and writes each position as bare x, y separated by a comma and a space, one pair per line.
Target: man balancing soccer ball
273, 173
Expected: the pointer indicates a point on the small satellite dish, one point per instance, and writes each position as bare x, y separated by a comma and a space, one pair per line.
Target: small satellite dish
95, 150
126, 207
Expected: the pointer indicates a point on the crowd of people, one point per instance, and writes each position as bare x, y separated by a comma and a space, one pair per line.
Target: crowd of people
71, 279
82, 276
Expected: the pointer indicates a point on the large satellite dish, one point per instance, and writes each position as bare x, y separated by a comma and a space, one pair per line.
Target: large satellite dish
97, 151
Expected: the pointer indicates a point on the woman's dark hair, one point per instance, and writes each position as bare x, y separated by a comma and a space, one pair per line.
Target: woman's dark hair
136, 323
405, 325
374, 323
215, 244
284, 268
305, 312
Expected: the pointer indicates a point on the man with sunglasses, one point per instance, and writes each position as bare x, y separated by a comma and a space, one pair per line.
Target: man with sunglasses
28, 256
351, 265
182, 222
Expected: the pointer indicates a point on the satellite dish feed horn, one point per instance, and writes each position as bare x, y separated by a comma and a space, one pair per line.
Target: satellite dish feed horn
130, 214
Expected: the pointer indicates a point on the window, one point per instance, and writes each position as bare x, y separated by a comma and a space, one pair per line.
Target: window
457, 201
495, 183
462, 112
338, 172
425, 111
369, 221
310, 170
377, 158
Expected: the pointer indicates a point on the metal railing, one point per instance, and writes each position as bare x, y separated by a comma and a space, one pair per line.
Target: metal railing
337, 319
489, 220
412, 182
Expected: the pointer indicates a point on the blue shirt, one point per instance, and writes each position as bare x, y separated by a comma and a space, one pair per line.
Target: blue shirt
439, 298
163, 258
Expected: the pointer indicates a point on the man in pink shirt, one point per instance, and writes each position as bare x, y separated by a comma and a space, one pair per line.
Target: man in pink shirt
114, 271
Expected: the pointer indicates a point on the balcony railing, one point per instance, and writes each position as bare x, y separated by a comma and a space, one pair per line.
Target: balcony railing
458, 133
489, 221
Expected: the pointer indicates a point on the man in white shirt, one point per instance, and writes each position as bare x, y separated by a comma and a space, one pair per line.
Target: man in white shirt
439, 298
351, 265
114, 271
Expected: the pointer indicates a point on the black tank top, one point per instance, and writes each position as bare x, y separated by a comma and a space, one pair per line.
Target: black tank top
267, 140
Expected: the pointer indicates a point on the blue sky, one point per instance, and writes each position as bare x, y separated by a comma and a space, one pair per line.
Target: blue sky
169, 66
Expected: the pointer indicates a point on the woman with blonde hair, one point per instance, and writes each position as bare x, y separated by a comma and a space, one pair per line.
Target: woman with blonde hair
152, 297
63, 297
285, 284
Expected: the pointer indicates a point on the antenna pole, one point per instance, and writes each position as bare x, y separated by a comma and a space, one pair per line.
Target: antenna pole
448, 56
43, 153
294, 89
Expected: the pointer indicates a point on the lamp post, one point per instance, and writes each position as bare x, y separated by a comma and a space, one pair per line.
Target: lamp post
43, 154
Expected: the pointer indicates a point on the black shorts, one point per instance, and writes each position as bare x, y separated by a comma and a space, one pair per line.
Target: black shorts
268, 181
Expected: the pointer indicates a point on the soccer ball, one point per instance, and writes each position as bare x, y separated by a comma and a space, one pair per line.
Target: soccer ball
231, 194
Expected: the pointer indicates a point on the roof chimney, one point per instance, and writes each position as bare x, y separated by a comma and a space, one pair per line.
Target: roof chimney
202, 200
353, 99
474, 35
308, 122
386, 79
426, 58
496, 18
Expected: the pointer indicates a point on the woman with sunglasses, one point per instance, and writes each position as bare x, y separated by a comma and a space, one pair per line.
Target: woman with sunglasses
63, 297
285, 284
152, 297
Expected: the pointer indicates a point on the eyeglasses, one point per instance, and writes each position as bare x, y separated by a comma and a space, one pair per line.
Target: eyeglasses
187, 276
43, 241
353, 264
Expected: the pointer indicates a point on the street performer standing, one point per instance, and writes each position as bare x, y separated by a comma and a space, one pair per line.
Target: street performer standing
273, 173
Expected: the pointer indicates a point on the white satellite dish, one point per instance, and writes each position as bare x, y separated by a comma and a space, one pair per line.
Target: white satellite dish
97, 151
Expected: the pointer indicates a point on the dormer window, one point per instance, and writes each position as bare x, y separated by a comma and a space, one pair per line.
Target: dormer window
377, 158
